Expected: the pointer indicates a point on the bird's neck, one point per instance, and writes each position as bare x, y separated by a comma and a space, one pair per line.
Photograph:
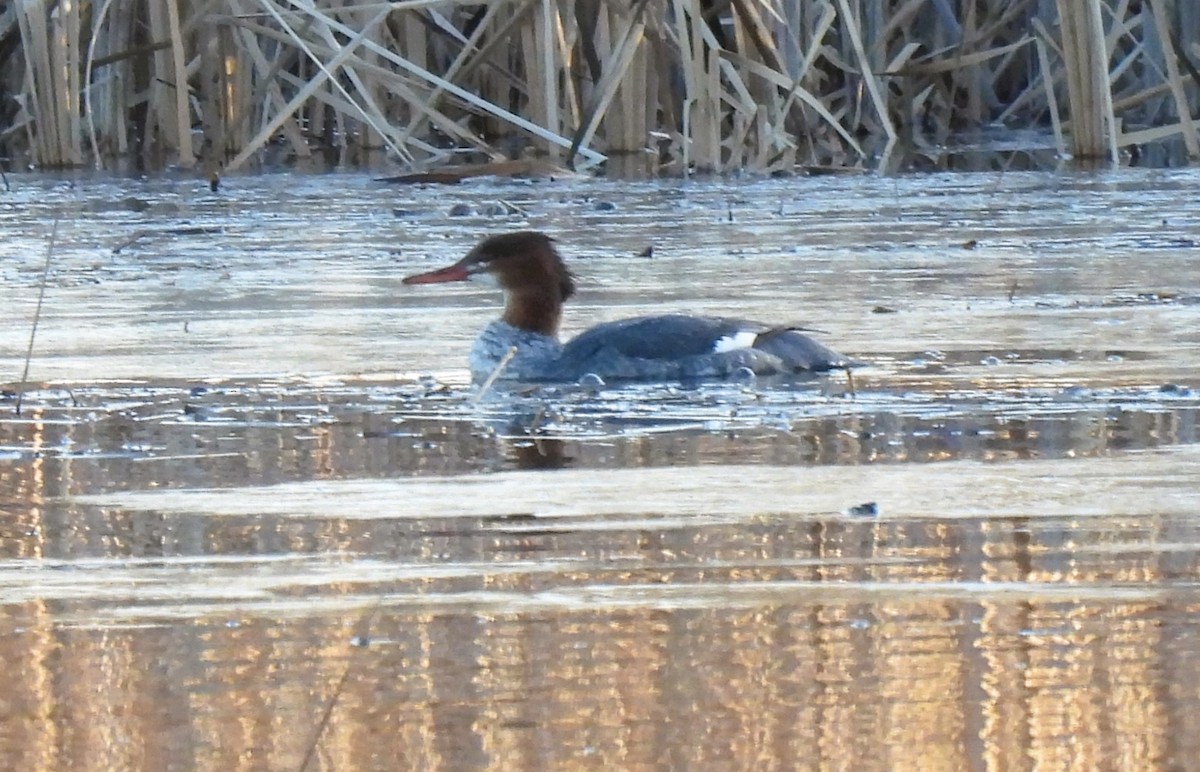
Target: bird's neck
533, 310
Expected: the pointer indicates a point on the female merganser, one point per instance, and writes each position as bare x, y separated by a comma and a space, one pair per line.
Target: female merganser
536, 282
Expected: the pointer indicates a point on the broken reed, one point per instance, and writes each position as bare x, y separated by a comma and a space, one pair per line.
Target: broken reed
691, 84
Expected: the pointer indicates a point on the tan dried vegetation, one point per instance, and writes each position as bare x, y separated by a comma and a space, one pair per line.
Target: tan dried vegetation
710, 85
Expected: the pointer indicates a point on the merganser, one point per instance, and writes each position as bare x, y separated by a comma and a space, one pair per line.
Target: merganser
672, 347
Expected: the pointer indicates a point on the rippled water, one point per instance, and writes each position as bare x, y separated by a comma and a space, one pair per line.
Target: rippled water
252, 515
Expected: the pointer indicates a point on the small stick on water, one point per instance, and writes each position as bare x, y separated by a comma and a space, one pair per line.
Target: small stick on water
511, 208
192, 230
337, 693
508, 357
129, 242
368, 621
537, 419
37, 313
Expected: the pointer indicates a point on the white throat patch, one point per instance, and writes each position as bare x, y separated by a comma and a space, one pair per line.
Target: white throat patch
739, 340
486, 278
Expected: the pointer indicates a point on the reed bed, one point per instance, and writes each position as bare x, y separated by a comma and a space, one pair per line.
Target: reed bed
674, 85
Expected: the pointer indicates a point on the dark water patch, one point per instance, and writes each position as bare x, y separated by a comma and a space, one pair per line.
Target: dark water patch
233, 434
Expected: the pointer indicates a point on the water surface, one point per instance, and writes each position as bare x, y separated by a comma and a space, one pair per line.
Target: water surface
253, 515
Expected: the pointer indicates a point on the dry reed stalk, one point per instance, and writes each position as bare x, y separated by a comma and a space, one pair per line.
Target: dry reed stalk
340, 107
1044, 83
378, 132
224, 85
472, 54
797, 90
687, 47
794, 90
1093, 130
1051, 99
544, 81
121, 83
1187, 126
111, 54
755, 29
525, 84
625, 123
68, 75
976, 106
614, 71
1187, 45
702, 89
738, 96
592, 157
1145, 95
368, 109
901, 19
161, 116
898, 62
566, 52
183, 120
761, 80
212, 115
872, 86
640, 112
959, 62
401, 89
491, 379
398, 84
1151, 135
109, 97
268, 91
1106, 103
413, 39
238, 94
34, 45
297, 101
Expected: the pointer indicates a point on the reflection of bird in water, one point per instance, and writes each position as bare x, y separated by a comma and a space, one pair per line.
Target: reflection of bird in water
537, 453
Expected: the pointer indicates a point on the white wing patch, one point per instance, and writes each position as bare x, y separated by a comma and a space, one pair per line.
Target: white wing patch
738, 340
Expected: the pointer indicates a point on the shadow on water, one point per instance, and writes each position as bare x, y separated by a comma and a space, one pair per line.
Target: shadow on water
235, 500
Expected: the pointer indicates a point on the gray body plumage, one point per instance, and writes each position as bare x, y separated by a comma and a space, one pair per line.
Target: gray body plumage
536, 354
670, 347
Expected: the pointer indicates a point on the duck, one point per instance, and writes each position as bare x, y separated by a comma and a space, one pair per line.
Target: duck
523, 344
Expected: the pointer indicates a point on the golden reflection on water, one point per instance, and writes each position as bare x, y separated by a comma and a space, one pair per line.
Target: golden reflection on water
624, 635
901, 683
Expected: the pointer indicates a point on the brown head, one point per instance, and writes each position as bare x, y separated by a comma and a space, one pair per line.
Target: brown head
526, 266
